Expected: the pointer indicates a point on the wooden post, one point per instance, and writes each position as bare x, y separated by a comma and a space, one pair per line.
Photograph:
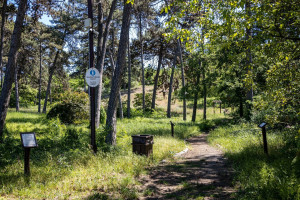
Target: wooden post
264, 133
26, 161
172, 128
220, 107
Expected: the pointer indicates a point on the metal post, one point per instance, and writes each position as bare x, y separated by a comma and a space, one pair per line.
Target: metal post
26, 161
172, 128
264, 133
92, 89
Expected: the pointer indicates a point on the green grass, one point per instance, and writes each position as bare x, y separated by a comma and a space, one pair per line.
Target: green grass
259, 176
63, 165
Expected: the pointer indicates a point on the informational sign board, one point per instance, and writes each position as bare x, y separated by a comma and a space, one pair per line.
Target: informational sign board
92, 77
262, 125
28, 140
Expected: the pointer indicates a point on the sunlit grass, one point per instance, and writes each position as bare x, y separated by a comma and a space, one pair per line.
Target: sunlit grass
259, 176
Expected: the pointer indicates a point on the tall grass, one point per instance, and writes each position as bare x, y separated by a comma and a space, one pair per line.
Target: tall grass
259, 176
64, 167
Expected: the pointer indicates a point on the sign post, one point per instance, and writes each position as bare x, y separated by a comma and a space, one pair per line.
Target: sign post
264, 133
91, 66
28, 142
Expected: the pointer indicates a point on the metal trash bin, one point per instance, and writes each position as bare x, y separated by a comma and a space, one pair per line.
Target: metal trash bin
142, 144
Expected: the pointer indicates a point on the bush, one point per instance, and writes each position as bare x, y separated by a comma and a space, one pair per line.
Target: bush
102, 115
71, 109
68, 113
138, 101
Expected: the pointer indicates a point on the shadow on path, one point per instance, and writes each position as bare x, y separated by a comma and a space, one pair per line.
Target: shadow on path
201, 173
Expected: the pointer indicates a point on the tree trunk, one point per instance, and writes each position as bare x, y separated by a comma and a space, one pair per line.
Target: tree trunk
40, 78
52, 69
249, 94
10, 67
2, 38
204, 91
115, 88
120, 96
101, 52
171, 83
157, 76
182, 80
196, 95
129, 81
17, 90
142, 61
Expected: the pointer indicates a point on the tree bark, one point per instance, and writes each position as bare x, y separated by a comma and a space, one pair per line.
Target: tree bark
40, 78
17, 90
142, 61
101, 51
204, 91
129, 80
182, 79
120, 96
196, 94
157, 76
111, 123
2, 38
52, 69
171, 83
249, 94
10, 69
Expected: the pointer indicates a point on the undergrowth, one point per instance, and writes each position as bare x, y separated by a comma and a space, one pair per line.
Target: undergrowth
258, 176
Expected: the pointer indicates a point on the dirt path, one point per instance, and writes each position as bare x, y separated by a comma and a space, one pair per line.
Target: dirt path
201, 173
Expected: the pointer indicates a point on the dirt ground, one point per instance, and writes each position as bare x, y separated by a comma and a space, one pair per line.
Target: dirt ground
200, 173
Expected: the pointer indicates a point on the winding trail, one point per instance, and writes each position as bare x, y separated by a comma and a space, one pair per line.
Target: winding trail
200, 173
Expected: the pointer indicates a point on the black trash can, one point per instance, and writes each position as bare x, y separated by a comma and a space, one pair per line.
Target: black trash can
142, 144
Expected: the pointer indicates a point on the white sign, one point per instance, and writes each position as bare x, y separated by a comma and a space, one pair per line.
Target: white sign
92, 77
28, 140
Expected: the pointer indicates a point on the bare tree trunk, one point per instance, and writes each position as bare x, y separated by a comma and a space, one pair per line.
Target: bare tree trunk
129, 80
171, 83
196, 94
120, 96
182, 79
156, 76
204, 91
17, 90
111, 123
40, 78
2, 38
52, 69
142, 61
249, 94
101, 52
10, 69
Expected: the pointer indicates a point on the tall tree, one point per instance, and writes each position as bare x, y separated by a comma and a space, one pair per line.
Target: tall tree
129, 79
111, 123
10, 69
196, 92
101, 50
160, 56
17, 89
171, 82
142, 58
182, 79
3, 16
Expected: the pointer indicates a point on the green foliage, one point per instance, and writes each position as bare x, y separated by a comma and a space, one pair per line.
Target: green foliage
71, 109
259, 176
27, 96
138, 101
68, 113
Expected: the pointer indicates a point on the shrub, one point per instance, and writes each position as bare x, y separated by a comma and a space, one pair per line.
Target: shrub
102, 115
27, 96
71, 108
68, 113
138, 101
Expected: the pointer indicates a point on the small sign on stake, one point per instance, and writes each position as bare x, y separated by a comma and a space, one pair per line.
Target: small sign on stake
92, 77
28, 142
